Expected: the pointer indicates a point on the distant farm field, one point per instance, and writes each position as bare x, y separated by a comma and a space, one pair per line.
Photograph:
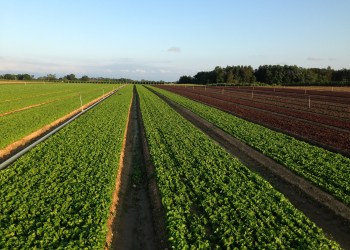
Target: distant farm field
25, 108
320, 117
321, 88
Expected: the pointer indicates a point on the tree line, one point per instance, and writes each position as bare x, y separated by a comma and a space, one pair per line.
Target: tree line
270, 74
48, 77
73, 79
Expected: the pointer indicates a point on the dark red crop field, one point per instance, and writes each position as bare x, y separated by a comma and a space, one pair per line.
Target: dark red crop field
326, 121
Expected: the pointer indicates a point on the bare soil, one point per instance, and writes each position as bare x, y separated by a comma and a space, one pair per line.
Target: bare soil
323, 209
123, 161
134, 224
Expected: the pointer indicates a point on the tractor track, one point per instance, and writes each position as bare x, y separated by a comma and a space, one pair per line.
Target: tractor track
133, 225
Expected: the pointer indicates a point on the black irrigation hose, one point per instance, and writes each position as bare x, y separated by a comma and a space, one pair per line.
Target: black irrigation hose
13, 158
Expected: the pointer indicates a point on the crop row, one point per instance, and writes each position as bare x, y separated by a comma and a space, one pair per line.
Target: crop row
19, 124
300, 104
12, 92
29, 95
328, 170
319, 103
58, 195
322, 135
211, 199
322, 119
329, 96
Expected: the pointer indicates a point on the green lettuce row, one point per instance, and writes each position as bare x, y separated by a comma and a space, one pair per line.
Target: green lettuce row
326, 169
17, 125
58, 195
211, 199
16, 96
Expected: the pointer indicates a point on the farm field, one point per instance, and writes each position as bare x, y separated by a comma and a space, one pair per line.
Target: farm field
175, 125
223, 214
325, 123
19, 96
328, 170
59, 194
25, 109
322, 88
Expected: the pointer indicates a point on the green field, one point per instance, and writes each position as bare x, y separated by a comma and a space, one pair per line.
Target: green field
59, 194
57, 100
326, 169
211, 199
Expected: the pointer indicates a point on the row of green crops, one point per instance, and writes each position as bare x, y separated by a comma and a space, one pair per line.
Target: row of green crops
66, 98
16, 96
211, 199
58, 195
328, 170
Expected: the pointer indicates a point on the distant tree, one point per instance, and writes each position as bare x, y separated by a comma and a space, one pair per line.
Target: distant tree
70, 77
25, 77
186, 79
10, 77
271, 74
50, 77
205, 77
247, 74
84, 78
342, 75
230, 77
309, 76
219, 75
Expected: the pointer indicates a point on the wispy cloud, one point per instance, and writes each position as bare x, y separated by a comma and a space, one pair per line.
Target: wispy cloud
164, 71
142, 71
318, 59
10, 64
174, 49
116, 68
315, 59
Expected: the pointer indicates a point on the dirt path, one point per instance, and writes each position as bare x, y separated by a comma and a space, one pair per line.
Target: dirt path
323, 209
133, 227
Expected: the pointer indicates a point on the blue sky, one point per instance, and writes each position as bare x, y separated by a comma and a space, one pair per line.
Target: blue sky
162, 40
